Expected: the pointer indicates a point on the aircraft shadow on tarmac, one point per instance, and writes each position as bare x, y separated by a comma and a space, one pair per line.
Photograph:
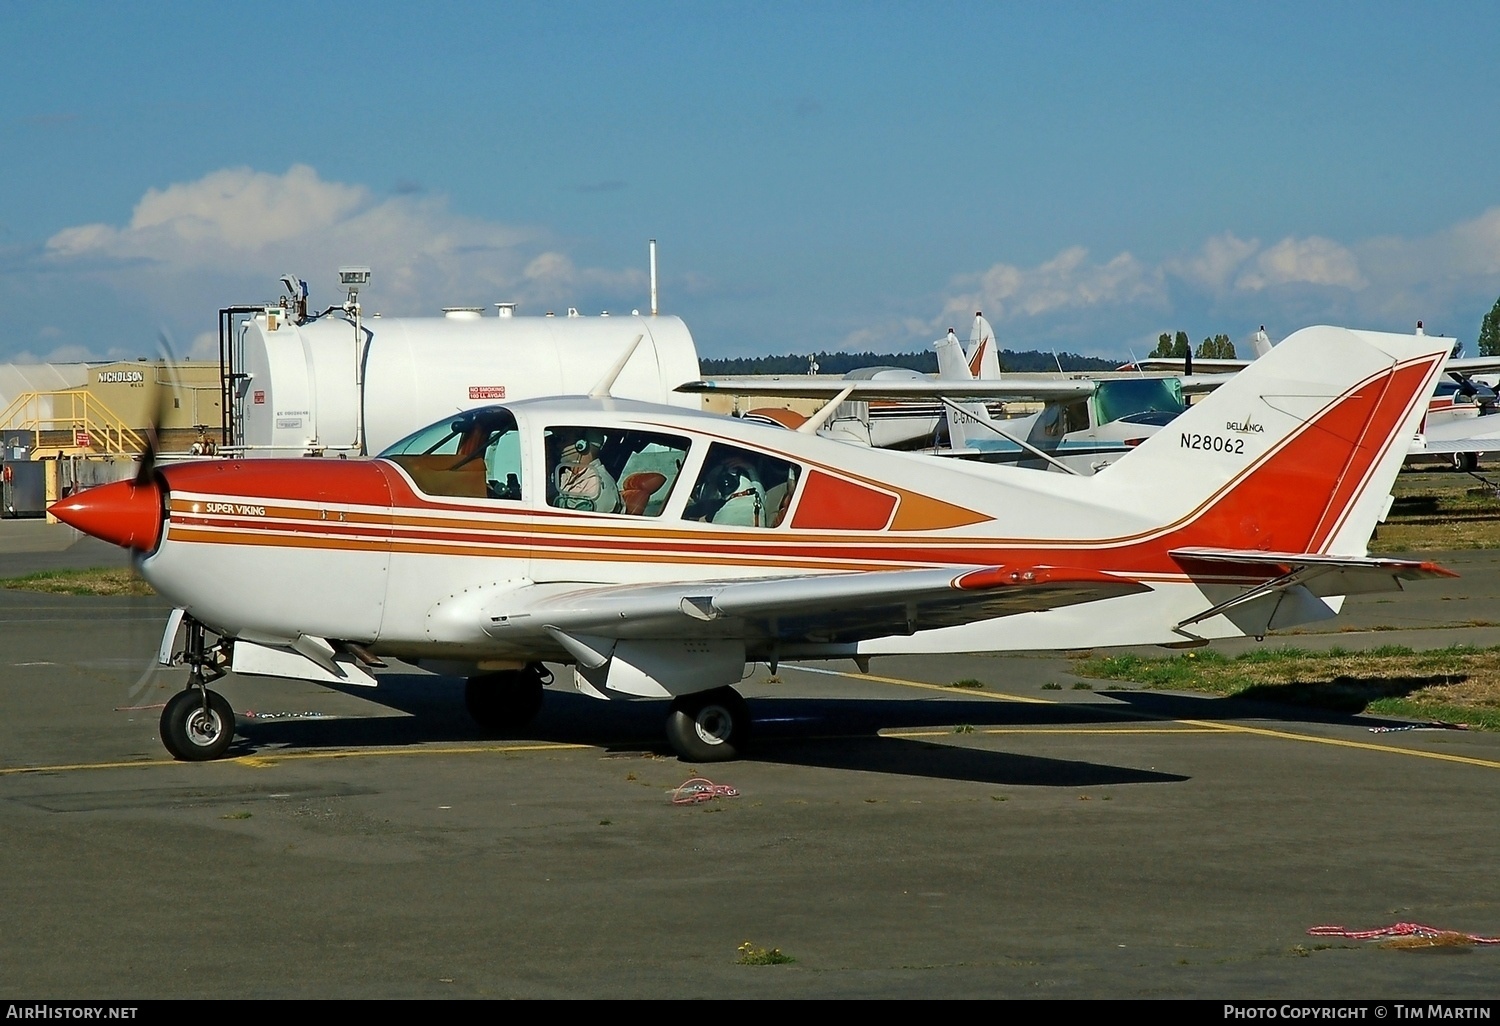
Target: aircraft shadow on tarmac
1339, 703
833, 733
824, 733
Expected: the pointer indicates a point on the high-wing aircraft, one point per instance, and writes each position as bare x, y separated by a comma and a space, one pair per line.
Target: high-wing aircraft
1084, 424
656, 550
1451, 431
872, 417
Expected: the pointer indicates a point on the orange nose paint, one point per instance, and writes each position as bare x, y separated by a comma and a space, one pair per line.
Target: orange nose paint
123, 513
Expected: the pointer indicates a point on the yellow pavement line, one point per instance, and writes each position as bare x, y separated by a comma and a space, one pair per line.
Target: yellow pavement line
1122, 729
1236, 728
991, 695
263, 760
10, 770
270, 759
1201, 726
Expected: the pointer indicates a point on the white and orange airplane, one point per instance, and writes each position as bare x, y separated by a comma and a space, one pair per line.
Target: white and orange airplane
658, 550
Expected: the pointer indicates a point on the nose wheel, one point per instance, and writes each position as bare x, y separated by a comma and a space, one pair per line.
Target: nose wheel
197, 725
711, 726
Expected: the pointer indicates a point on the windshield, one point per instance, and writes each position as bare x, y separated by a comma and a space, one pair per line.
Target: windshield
475, 454
1118, 398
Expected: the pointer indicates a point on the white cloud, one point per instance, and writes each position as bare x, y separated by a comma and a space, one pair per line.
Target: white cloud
1215, 263
225, 238
1229, 283
1067, 281
891, 335
1310, 261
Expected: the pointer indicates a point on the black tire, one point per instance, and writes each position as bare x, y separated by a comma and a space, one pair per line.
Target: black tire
504, 701
710, 726
194, 734
1467, 462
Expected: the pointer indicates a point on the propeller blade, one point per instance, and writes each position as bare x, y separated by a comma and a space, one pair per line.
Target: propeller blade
161, 392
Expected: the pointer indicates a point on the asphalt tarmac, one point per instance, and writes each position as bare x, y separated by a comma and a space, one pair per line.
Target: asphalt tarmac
894, 836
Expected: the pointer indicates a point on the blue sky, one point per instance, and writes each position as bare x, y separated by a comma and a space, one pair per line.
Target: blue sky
819, 176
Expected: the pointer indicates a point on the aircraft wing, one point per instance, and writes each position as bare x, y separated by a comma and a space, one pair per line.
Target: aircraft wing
1465, 365
1197, 384
821, 609
1449, 445
1204, 365
1470, 434
1020, 389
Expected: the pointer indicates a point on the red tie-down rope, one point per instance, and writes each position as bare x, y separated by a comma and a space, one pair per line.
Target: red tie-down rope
701, 789
1398, 930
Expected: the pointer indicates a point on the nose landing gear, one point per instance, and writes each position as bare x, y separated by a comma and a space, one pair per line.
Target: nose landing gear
198, 724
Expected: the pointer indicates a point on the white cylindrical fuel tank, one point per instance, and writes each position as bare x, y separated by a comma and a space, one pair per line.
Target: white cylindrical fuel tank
302, 387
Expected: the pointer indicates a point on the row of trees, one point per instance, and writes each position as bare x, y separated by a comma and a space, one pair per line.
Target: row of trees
1177, 347
1025, 362
1489, 332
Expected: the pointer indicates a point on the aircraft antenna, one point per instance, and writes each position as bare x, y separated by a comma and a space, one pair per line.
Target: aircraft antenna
1058, 360
1134, 362
601, 390
653, 277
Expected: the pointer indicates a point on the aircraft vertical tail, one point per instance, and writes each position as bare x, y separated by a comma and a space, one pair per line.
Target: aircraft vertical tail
983, 353
954, 366
1260, 342
1296, 453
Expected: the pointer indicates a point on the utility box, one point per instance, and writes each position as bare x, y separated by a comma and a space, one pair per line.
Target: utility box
23, 488
17, 445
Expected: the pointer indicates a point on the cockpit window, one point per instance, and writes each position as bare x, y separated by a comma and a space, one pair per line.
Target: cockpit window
1118, 398
474, 455
608, 470
742, 487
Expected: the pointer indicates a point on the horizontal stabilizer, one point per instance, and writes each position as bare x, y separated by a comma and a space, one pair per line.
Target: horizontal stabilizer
1312, 574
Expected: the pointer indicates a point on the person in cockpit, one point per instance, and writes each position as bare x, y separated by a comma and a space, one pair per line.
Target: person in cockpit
580, 480
742, 497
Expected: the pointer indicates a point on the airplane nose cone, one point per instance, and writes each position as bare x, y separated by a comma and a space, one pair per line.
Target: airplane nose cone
123, 513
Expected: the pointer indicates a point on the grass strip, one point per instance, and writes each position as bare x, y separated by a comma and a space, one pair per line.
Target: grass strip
92, 581
1457, 685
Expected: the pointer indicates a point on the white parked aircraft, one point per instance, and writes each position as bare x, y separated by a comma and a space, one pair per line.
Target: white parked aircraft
1085, 423
869, 418
1452, 431
485, 545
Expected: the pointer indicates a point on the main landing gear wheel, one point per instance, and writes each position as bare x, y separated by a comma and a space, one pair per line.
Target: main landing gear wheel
1467, 462
504, 701
711, 726
197, 725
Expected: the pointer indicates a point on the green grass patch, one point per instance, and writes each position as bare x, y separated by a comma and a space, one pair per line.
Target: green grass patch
93, 581
752, 955
1438, 510
1451, 685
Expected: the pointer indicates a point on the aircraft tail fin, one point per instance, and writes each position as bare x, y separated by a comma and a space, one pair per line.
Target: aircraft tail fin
1261, 342
983, 352
1296, 453
954, 366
